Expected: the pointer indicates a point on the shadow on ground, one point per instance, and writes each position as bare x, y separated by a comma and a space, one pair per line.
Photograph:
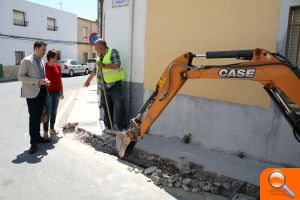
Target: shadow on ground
25, 157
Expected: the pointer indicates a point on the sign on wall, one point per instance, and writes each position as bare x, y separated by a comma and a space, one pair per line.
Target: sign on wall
93, 37
119, 3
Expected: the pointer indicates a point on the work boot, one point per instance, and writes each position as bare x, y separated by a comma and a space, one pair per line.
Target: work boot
32, 149
53, 132
45, 135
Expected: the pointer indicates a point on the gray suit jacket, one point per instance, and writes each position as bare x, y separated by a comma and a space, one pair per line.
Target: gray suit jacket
29, 76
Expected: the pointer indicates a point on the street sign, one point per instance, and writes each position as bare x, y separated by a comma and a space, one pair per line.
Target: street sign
119, 3
93, 38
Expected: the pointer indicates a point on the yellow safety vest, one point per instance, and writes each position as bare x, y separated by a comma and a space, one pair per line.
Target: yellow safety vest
111, 75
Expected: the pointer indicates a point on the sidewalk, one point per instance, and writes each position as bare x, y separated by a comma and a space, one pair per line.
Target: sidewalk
86, 113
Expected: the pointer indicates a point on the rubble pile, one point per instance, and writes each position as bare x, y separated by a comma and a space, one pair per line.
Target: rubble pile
186, 175
165, 172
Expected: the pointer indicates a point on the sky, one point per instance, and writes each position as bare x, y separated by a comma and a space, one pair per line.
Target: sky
82, 8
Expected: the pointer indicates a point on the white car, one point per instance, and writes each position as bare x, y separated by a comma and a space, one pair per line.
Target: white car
91, 64
72, 66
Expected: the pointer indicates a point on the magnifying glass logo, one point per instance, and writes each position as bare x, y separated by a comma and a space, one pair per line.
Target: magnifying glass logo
277, 180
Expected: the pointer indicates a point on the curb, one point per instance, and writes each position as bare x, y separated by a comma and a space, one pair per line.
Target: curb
5, 80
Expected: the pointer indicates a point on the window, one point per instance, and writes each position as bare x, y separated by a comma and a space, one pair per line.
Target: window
19, 18
19, 56
84, 32
293, 42
85, 57
93, 55
51, 24
73, 62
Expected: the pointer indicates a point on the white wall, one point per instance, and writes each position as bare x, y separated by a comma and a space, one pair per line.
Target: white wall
140, 7
117, 30
119, 33
64, 39
9, 46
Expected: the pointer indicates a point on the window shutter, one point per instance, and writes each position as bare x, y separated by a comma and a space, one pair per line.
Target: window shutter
293, 49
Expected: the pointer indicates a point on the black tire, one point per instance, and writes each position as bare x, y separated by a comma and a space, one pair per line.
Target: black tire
71, 73
86, 72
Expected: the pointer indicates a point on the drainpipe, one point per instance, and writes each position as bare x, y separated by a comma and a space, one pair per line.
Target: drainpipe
91, 26
131, 60
100, 18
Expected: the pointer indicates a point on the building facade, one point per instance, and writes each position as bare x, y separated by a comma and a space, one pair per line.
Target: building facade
23, 23
84, 28
230, 116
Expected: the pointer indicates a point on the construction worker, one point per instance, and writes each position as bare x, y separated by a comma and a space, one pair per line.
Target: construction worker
108, 60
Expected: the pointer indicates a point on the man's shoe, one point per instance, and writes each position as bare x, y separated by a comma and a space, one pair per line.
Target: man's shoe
43, 140
33, 149
53, 132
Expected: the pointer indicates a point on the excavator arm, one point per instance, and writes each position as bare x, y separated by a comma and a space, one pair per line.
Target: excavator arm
278, 76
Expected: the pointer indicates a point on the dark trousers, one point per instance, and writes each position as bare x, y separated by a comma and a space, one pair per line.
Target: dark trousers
115, 102
35, 109
51, 106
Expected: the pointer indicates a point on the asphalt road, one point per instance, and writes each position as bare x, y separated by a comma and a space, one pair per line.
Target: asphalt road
65, 168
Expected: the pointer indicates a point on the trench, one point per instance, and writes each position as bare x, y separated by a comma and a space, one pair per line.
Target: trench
169, 174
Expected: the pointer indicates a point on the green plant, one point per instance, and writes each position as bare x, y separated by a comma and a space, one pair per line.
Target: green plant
187, 138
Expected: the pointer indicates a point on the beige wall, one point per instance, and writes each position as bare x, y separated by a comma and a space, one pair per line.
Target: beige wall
83, 43
174, 27
82, 48
10, 71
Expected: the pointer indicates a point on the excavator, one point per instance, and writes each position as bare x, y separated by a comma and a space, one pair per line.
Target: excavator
279, 78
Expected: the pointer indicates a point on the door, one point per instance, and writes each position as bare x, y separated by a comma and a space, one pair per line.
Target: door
85, 57
75, 66
80, 67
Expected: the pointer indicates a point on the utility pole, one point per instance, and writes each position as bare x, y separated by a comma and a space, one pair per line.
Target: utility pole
60, 3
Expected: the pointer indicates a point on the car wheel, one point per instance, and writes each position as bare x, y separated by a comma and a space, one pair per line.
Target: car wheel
86, 72
71, 73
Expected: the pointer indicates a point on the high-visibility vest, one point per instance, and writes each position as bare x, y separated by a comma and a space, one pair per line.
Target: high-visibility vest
111, 75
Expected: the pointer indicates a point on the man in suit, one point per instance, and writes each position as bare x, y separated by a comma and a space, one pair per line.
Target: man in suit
34, 89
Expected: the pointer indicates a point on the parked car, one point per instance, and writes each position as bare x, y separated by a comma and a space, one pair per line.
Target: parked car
72, 66
91, 64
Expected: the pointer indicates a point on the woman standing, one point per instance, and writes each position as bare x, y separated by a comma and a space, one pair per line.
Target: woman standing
53, 74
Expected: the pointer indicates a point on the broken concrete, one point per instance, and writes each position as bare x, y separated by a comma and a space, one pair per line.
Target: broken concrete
167, 172
150, 170
183, 167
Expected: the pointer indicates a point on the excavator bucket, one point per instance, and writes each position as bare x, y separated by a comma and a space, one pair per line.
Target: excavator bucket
124, 144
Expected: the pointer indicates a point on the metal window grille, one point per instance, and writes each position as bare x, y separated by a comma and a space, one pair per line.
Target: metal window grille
293, 41
19, 56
